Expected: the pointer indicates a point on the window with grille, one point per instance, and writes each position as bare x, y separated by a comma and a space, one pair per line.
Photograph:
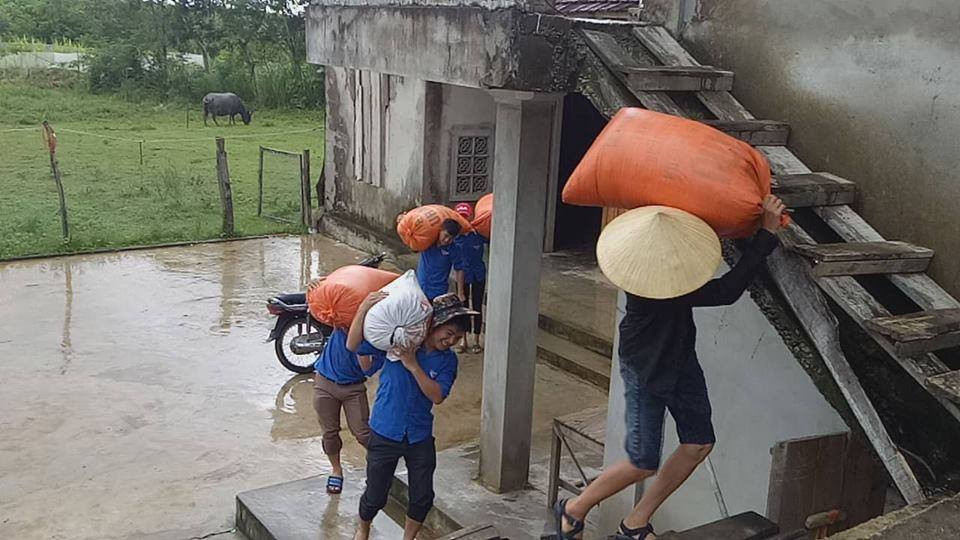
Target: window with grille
472, 164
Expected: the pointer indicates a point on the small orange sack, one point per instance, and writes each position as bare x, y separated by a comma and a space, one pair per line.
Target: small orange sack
483, 215
419, 228
334, 300
646, 158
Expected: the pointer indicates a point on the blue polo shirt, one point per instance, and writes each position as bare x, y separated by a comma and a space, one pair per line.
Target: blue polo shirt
468, 256
339, 364
433, 270
401, 409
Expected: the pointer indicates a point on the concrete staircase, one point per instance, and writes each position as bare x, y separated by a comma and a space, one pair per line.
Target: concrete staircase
574, 349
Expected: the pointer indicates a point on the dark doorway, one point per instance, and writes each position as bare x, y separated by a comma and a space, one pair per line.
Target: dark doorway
576, 226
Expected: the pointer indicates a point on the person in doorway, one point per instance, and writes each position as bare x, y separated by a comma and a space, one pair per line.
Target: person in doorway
433, 269
340, 383
471, 275
402, 418
661, 372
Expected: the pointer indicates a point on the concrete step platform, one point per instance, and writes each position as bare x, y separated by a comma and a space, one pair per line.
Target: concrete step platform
574, 359
302, 510
587, 339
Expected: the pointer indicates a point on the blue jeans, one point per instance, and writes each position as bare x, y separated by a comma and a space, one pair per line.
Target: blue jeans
687, 402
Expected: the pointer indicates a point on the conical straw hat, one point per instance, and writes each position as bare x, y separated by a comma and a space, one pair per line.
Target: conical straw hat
658, 252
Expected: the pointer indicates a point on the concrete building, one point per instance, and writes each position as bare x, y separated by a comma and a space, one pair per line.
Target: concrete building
436, 101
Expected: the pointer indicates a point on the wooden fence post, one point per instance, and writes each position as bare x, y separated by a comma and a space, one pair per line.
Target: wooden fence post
50, 136
226, 196
306, 212
260, 185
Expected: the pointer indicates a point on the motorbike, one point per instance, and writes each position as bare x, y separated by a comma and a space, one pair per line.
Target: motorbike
297, 337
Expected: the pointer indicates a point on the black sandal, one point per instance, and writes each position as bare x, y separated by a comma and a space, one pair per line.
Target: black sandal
560, 514
626, 533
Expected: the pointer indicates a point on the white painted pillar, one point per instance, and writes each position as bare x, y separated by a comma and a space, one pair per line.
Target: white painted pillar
615, 508
521, 169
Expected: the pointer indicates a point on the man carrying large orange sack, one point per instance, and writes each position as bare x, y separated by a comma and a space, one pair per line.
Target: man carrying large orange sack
663, 258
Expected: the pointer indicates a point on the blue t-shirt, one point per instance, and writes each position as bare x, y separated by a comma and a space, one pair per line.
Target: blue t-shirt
433, 271
339, 364
468, 256
401, 409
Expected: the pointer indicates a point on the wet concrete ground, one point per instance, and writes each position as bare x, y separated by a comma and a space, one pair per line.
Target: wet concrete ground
138, 396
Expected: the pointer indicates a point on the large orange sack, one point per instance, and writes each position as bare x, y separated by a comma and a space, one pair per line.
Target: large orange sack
419, 228
334, 300
646, 158
483, 215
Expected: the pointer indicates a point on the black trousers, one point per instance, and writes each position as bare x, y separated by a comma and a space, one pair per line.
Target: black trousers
382, 458
474, 292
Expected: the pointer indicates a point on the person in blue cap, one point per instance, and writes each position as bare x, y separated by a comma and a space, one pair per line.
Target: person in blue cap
471, 276
401, 423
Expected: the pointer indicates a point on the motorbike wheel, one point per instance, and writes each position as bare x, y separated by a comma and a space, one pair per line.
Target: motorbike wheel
297, 363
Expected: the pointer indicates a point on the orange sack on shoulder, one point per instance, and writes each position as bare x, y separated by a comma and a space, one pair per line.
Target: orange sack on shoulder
419, 228
646, 158
334, 300
483, 215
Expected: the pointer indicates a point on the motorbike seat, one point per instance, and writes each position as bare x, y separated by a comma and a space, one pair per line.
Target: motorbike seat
292, 299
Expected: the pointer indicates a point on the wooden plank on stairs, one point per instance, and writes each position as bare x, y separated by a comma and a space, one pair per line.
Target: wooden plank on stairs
810, 307
862, 306
665, 48
861, 258
921, 288
606, 47
676, 78
921, 332
745, 526
813, 189
755, 132
947, 385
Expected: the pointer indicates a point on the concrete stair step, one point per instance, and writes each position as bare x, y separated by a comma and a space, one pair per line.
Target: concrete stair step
577, 335
302, 510
574, 359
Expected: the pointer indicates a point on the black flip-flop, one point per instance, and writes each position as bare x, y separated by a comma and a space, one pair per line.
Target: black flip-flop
334, 485
559, 514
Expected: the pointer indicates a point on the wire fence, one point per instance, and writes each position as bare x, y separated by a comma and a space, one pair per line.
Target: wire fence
120, 190
280, 185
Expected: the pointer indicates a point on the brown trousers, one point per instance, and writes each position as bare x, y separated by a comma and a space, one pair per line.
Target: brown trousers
328, 398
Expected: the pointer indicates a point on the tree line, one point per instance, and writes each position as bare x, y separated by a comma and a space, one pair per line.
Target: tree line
255, 48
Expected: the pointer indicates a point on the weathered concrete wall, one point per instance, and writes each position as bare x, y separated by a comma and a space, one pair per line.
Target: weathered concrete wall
760, 396
462, 108
497, 44
372, 206
870, 87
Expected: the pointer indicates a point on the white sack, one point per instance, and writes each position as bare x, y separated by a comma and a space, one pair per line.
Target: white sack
399, 321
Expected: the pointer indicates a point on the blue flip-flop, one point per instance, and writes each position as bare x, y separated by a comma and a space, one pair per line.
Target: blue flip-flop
559, 514
334, 485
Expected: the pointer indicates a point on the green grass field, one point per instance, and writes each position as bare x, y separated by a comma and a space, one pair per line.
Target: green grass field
113, 200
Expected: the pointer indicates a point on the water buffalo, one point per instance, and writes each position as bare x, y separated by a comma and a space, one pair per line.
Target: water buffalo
225, 104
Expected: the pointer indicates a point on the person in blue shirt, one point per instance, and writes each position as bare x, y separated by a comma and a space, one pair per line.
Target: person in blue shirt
471, 276
340, 384
433, 270
401, 424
